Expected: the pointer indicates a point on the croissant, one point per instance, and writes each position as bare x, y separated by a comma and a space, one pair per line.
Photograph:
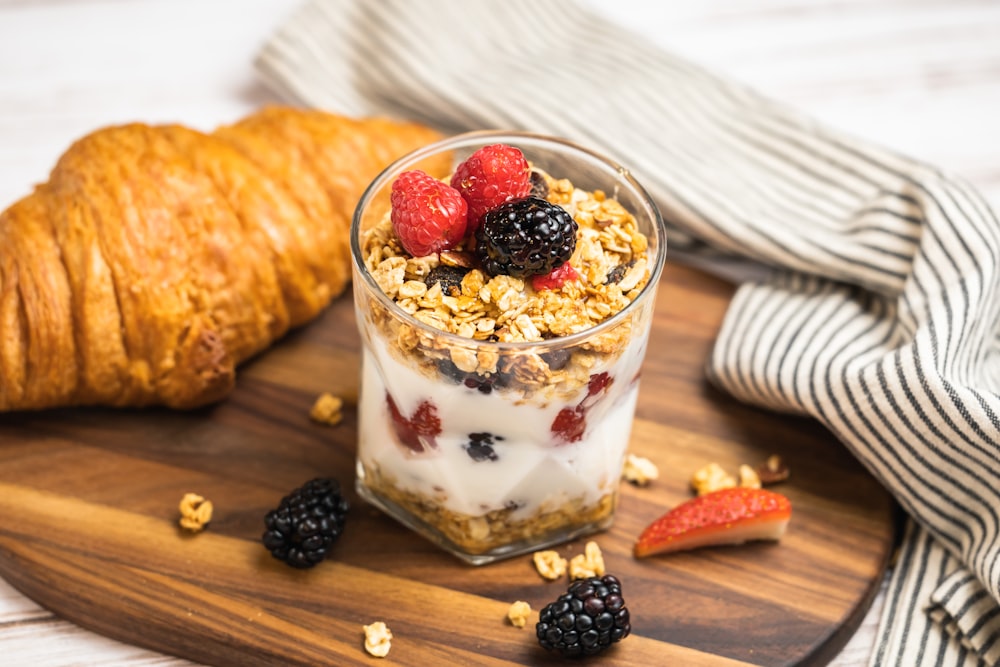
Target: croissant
156, 259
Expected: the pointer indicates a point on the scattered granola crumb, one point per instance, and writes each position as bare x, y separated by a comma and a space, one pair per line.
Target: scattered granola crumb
327, 409
549, 564
588, 564
518, 614
772, 470
378, 639
196, 512
639, 470
749, 477
711, 477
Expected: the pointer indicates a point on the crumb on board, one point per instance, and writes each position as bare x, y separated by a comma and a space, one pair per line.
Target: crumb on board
549, 564
378, 639
639, 470
196, 512
327, 409
711, 477
588, 564
518, 614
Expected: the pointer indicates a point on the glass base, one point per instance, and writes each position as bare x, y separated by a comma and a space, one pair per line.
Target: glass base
490, 554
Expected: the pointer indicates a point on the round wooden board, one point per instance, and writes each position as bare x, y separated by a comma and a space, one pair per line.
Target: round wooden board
88, 525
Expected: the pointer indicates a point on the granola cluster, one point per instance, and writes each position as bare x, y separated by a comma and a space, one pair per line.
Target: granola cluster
610, 259
195, 512
478, 534
713, 477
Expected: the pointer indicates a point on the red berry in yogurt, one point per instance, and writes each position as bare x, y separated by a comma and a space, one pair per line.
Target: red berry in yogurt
418, 432
569, 425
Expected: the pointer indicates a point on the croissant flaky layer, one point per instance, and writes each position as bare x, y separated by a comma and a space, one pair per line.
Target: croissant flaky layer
156, 258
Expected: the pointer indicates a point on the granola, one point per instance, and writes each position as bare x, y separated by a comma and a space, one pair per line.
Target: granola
610, 259
196, 512
639, 470
588, 564
477, 534
378, 639
711, 477
518, 613
549, 564
327, 409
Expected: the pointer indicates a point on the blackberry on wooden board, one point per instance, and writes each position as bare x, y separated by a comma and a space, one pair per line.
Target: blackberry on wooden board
588, 618
305, 525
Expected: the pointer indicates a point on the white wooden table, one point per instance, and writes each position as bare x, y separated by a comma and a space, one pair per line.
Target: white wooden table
922, 77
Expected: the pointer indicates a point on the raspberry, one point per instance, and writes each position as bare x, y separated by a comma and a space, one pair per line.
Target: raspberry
489, 177
555, 278
525, 237
596, 389
428, 216
599, 383
416, 433
569, 425
539, 186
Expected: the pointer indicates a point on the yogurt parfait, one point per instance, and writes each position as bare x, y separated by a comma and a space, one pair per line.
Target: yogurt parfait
504, 286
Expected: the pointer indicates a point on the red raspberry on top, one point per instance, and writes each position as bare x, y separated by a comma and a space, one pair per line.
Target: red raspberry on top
555, 278
428, 216
491, 176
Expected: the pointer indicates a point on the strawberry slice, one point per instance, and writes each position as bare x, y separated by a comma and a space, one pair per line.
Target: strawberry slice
727, 516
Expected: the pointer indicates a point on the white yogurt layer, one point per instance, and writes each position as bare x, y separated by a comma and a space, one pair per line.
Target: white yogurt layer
533, 471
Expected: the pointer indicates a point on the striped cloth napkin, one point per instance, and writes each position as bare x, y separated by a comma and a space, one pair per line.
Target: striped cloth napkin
877, 315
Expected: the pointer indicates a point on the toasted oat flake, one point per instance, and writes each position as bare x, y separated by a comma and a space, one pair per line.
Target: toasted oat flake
196, 512
711, 477
549, 564
749, 477
519, 613
639, 470
378, 639
588, 564
327, 409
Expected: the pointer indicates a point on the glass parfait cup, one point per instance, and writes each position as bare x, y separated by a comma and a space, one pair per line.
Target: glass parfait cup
492, 448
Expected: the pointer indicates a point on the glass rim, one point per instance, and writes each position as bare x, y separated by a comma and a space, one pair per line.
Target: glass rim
485, 137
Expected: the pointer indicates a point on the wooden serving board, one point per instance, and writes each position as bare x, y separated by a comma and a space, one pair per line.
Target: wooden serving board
88, 525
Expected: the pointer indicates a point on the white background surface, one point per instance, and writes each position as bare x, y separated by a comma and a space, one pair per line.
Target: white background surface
920, 76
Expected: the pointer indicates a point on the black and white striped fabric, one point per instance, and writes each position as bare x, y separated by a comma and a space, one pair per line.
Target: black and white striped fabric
880, 318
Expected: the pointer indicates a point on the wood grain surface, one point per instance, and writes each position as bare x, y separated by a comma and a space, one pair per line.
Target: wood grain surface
88, 511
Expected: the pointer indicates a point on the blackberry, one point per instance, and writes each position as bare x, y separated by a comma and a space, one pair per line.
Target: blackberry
451, 371
480, 446
618, 272
557, 359
525, 237
539, 186
450, 278
307, 522
588, 618
485, 384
